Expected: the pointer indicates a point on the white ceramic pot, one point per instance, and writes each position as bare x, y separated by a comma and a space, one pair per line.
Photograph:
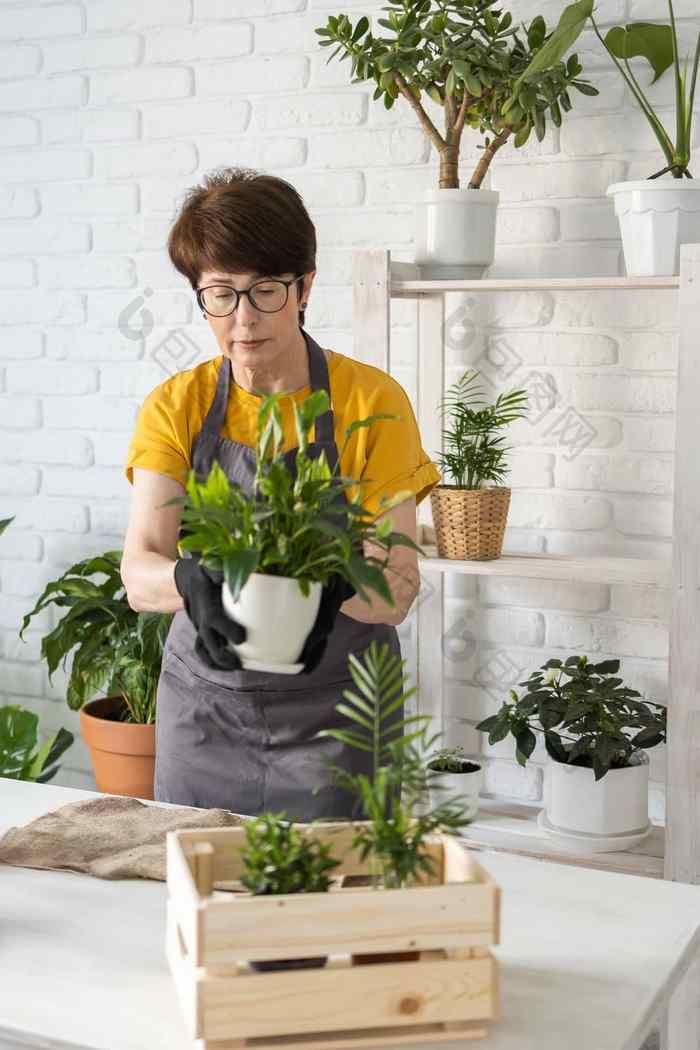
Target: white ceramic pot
278, 619
615, 805
464, 787
455, 233
656, 216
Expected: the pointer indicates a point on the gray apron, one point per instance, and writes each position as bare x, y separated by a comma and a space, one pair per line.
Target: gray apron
244, 740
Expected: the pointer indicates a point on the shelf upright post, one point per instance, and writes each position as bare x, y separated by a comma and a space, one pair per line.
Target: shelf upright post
430, 611
371, 307
681, 1022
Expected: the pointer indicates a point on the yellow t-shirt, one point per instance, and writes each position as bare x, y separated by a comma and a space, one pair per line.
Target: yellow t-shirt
388, 455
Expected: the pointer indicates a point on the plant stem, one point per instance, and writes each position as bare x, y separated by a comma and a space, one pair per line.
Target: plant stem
487, 156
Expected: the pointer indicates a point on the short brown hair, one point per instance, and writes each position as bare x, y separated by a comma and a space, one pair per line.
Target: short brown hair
241, 220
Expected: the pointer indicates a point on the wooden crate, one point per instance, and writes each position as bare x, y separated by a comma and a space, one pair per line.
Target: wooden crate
215, 926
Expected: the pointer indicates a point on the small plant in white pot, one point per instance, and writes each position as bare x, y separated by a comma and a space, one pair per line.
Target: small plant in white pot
466, 58
596, 733
470, 515
659, 213
459, 777
272, 550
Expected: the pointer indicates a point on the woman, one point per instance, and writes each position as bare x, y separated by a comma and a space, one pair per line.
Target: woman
245, 740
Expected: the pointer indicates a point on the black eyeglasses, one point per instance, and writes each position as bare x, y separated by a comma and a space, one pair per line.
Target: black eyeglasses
268, 295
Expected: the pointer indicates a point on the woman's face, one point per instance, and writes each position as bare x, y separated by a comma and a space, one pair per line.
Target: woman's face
273, 331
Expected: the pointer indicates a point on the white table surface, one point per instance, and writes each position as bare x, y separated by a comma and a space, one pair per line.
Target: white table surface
587, 958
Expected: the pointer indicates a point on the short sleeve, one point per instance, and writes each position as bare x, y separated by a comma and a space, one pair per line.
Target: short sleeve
158, 442
395, 458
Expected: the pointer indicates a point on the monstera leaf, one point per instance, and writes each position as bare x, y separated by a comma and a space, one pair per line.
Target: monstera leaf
645, 40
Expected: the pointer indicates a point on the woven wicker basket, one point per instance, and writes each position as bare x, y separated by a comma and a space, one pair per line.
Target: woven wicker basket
469, 523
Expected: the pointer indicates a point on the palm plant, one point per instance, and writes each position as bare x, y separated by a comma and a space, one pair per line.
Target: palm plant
394, 835
474, 452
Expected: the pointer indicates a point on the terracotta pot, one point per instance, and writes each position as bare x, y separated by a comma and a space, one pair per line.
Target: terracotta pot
123, 753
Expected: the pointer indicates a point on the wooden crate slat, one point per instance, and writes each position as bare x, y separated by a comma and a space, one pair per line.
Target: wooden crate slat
396, 994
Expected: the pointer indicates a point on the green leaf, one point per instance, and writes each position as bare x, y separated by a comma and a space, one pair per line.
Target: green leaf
238, 566
4, 522
567, 32
645, 40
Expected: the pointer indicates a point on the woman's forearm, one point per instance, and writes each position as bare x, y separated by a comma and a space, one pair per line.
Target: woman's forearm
404, 587
149, 580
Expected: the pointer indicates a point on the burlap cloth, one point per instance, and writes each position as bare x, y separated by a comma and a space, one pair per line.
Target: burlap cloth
110, 838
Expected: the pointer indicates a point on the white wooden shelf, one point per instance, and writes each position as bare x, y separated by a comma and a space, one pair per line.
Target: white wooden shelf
376, 281
593, 569
501, 827
407, 283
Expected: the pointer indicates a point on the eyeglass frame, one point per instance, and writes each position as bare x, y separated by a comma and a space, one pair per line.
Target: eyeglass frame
246, 291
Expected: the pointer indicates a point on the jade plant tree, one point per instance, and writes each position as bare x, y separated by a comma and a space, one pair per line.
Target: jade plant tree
469, 58
586, 713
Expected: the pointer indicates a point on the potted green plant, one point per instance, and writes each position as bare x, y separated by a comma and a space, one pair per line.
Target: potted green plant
115, 650
459, 777
281, 858
275, 548
659, 213
466, 58
20, 757
470, 515
596, 733
396, 822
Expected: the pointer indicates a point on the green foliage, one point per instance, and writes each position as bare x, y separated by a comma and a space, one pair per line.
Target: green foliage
20, 758
280, 858
587, 700
658, 44
468, 57
395, 834
448, 759
473, 450
117, 650
4, 522
296, 527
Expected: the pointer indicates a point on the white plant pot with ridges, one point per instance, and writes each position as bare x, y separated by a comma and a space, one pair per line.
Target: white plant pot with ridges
277, 617
656, 216
464, 787
615, 805
455, 233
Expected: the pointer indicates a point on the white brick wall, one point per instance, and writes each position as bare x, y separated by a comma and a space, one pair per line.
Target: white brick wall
109, 110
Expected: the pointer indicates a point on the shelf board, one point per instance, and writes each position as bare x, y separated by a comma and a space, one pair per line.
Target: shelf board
582, 568
502, 828
407, 283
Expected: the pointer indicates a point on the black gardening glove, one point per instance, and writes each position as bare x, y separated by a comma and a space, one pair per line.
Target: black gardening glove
334, 593
201, 593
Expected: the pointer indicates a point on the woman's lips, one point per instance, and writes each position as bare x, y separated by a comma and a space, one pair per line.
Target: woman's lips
250, 343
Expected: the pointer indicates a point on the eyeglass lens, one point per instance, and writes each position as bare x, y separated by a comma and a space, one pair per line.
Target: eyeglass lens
267, 296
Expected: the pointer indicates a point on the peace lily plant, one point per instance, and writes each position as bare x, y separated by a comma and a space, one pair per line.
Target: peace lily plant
596, 731
273, 550
467, 57
659, 213
116, 662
